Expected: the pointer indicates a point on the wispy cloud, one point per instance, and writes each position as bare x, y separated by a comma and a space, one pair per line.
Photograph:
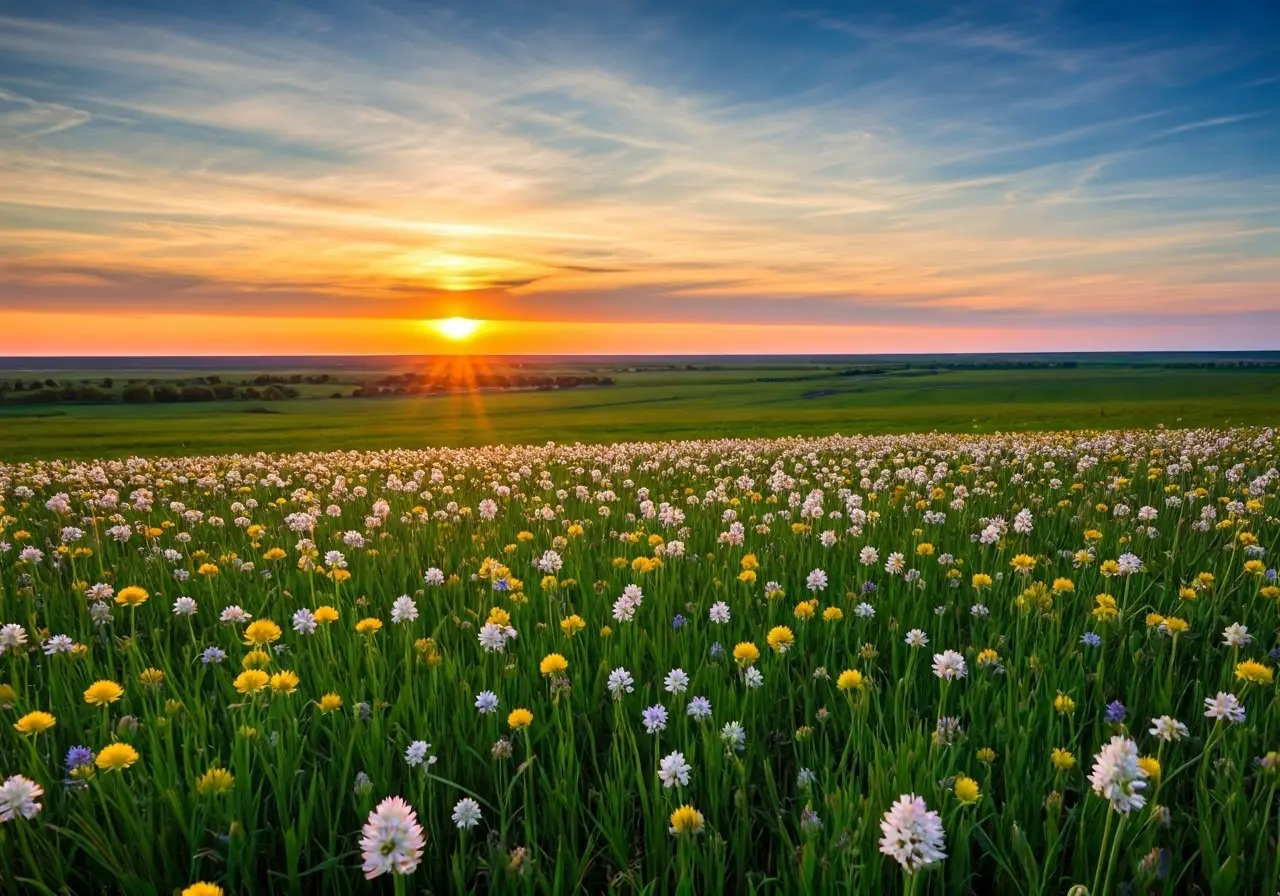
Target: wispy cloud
394, 164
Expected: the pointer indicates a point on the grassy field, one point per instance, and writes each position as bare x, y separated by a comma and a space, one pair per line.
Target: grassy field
746, 400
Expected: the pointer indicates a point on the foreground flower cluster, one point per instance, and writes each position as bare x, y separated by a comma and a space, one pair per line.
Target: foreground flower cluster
905, 663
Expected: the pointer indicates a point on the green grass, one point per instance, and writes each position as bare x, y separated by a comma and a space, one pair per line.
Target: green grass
662, 405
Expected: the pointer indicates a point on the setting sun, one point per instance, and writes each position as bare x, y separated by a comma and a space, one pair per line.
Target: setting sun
457, 328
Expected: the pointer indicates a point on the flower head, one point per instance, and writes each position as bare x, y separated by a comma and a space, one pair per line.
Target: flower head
392, 839
913, 835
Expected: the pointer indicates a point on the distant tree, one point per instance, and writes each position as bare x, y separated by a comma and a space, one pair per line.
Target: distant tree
136, 393
167, 393
107, 382
197, 393
224, 391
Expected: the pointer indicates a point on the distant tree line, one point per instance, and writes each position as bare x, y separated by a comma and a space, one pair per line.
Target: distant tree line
439, 383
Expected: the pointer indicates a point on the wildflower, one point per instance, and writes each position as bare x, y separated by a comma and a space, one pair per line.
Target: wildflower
325, 615
392, 839
486, 702
35, 723
19, 796
330, 703
1167, 728
519, 718
553, 664
1115, 712
215, 781
981, 580
816, 580
131, 596
1236, 635
1023, 564
284, 682
686, 822
234, 615
966, 789
1118, 777
849, 680
913, 835
571, 625
1224, 706
1254, 672
403, 610
753, 677
699, 709
734, 736
466, 814
746, 653
654, 718
948, 665
78, 758
1063, 705
100, 693
116, 757
251, 681
1091, 639
832, 614
417, 753
719, 612
986, 755
620, 682
916, 638
1150, 766
676, 681
673, 771
304, 622
369, 625
1063, 760
212, 656
202, 888
151, 678
780, 638
261, 632
185, 606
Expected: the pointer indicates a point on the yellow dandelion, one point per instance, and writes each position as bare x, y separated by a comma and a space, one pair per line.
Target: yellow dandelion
251, 681
100, 693
116, 757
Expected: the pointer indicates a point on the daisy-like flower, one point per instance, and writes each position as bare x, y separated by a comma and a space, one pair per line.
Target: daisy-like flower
1118, 777
466, 814
19, 798
620, 682
734, 736
676, 682
58, 644
433, 576
753, 677
419, 752
304, 622
948, 665
674, 771
12, 636
654, 718
1236, 635
234, 615
1167, 728
1224, 705
816, 580
486, 702
913, 835
403, 609
699, 709
392, 839
185, 606
686, 822
719, 613
916, 638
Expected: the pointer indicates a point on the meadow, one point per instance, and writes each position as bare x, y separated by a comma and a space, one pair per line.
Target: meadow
1028, 663
724, 399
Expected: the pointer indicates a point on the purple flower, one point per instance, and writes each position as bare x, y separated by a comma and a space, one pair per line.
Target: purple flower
868, 587
679, 622
79, 757
1091, 639
716, 651
1115, 712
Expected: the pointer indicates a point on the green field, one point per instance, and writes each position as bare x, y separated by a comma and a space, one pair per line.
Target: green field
745, 400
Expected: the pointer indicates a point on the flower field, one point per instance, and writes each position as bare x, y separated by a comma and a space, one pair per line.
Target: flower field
1013, 664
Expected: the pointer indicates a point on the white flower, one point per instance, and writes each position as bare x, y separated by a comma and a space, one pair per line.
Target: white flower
1168, 728
58, 644
719, 612
433, 576
754, 677
654, 718
11, 636
549, 562
913, 835
466, 814
864, 610
494, 637
868, 556
676, 682
916, 638
1117, 777
816, 580
948, 665
674, 771
393, 839
1023, 522
620, 682
734, 736
895, 563
403, 609
184, 606
418, 752
699, 708
1224, 706
234, 615
19, 796
1236, 635
487, 702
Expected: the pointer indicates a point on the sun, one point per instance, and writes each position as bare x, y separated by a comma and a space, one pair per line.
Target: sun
456, 328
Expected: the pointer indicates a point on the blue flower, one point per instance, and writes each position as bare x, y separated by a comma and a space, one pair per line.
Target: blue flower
79, 757
1115, 712
679, 622
213, 655
716, 651
1091, 639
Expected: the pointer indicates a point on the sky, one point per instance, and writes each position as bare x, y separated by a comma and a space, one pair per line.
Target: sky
610, 176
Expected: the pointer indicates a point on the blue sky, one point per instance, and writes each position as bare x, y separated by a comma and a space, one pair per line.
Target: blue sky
1107, 170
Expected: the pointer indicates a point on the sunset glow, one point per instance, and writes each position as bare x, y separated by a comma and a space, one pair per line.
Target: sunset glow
1015, 179
457, 328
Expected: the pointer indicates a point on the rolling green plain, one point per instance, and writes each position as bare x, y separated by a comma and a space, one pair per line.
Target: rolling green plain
742, 400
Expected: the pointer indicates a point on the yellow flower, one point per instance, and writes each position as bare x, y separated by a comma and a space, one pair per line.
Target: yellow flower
571, 625
1186, 592
215, 781
746, 653
1064, 705
261, 631
574, 531
326, 614
330, 703
687, 821
966, 789
606, 631
832, 614
201, 888
131, 596
981, 580
1174, 626
780, 638
100, 693
1255, 567
256, 659
804, 610
35, 723
1204, 580
520, 718
499, 616
553, 664
368, 625
151, 678
747, 575
251, 681
285, 682
924, 549
849, 680
1110, 568
749, 561
8, 696
986, 755
116, 757
1150, 765
207, 569
1254, 672
988, 656
274, 554
1063, 586
1154, 619
1023, 563
1063, 760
